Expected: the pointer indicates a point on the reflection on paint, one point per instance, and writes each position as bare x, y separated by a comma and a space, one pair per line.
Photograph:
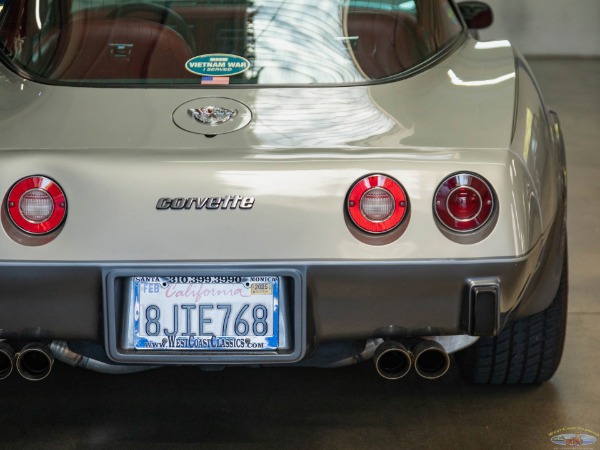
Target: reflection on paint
492, 44
455, 79
318, 118
528, 130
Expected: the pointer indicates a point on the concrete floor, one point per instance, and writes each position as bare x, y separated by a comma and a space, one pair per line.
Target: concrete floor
351, 407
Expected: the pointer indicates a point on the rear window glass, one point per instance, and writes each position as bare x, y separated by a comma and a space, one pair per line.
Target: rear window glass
265, 42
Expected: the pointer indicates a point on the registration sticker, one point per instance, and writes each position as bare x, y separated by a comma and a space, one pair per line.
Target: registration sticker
216, 313
261, 289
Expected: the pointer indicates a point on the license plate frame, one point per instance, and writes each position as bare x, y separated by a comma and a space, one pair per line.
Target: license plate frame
118, 311
208, 312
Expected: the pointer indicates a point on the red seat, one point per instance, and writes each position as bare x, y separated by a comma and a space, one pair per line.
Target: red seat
388, 42
125, 48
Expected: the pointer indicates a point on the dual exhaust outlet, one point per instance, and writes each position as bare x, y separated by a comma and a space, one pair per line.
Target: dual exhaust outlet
393, 360
34, 362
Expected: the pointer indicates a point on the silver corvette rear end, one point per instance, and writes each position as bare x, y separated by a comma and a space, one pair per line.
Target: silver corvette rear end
397, 214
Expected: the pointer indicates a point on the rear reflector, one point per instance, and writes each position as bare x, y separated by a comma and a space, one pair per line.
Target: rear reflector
37, 205
377, 204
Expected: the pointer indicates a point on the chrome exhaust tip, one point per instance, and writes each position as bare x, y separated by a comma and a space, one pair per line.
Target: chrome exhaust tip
431, 360
392, 360
7, 355
34, 362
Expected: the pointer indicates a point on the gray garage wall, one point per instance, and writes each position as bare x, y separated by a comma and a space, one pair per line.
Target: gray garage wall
548, 27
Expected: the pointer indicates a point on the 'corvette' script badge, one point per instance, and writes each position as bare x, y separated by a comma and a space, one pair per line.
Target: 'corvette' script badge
212, 115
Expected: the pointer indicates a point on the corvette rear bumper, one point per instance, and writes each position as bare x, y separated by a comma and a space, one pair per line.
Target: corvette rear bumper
339, 300
333, 300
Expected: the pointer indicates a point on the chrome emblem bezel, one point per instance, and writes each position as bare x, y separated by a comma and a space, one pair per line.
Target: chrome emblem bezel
195, 116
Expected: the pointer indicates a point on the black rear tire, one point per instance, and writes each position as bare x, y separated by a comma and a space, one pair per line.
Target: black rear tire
527, 351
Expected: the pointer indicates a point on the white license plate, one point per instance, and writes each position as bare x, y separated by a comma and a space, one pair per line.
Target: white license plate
214, 313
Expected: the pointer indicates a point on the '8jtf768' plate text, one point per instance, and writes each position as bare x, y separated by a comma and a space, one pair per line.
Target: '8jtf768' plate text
216, 313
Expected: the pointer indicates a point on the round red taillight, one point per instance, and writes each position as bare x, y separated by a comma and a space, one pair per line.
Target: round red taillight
377, 204
464, 202
37, 205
